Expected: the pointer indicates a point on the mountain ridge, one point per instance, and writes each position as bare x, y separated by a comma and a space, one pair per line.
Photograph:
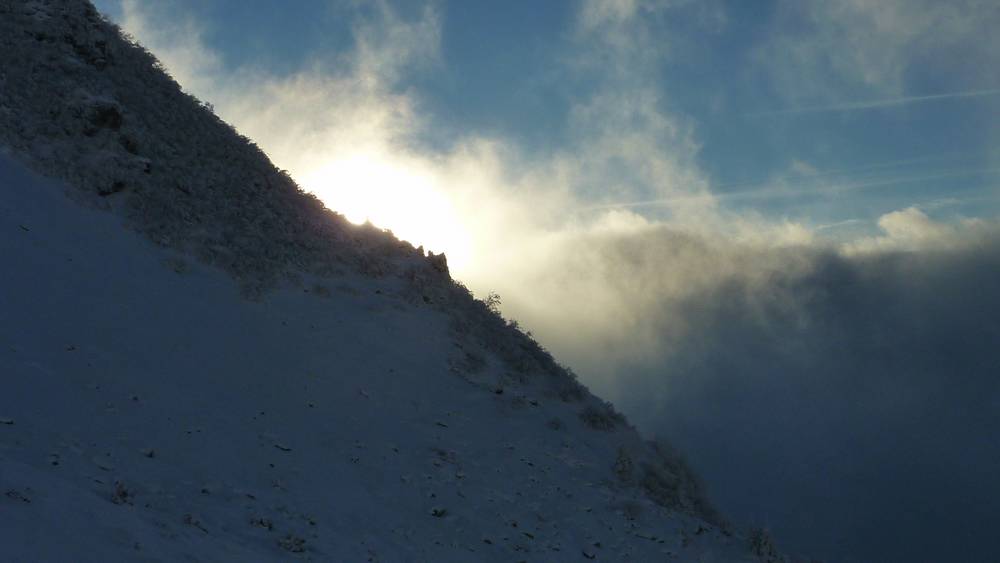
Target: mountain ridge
81, 103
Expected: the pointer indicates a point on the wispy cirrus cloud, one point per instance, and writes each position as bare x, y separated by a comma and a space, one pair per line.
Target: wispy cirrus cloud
881, 104
790, 188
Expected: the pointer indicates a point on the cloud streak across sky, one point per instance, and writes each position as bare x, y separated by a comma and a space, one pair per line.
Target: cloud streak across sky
880, 104
773, 192
850, 380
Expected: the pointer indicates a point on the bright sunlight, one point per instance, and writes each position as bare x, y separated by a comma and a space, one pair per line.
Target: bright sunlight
399, 196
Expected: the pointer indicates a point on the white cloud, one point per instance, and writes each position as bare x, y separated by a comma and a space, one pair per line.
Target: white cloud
912, 225
834, 50
179, 45
911, 230
523, 225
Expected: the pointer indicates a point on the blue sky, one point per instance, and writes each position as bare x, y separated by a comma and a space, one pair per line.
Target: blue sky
766, 230
755, 87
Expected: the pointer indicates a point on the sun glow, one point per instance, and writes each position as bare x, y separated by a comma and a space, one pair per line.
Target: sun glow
392, 194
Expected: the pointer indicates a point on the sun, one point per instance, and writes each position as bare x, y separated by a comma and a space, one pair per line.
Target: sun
404, 197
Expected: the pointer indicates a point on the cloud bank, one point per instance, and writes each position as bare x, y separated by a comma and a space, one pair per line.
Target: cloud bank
846, 401
841, 393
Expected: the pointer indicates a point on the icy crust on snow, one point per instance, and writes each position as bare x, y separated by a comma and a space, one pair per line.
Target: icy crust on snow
150, 412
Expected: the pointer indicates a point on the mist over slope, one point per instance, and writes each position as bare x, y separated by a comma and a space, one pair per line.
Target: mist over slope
343, 399
856, 391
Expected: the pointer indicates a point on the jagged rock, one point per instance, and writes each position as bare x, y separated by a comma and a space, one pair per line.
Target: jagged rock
439, 262
15, 494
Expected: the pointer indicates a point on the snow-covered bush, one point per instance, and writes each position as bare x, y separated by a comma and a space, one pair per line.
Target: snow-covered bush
624, 466
603, 417
762, 545
670, 482
493, 302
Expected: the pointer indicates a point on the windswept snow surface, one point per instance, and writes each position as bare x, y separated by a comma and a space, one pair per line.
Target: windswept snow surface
150, 412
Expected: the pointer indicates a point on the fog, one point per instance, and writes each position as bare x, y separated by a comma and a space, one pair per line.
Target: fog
842, 393
848, 402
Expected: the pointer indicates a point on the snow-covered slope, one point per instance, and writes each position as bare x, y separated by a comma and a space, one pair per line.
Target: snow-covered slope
228, 372
150, 412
